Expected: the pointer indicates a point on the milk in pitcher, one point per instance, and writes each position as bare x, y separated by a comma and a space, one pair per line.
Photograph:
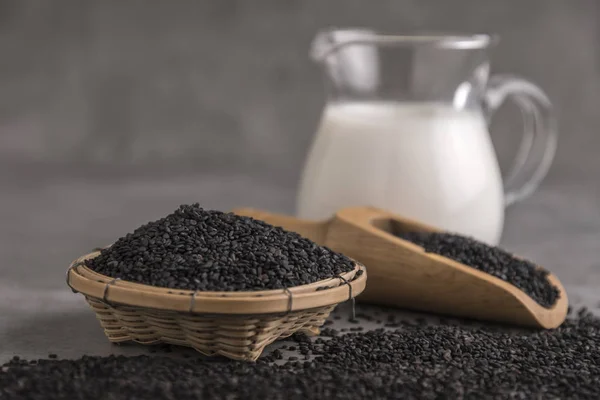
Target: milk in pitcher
425, 161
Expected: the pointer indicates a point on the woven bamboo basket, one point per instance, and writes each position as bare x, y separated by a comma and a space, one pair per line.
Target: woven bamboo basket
237, 325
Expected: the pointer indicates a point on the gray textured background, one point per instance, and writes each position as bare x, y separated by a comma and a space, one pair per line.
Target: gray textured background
114, 112
228, 83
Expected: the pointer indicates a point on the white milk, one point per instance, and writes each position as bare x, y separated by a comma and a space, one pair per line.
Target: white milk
423, 161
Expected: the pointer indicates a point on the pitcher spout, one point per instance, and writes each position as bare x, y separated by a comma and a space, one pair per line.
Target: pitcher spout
329, 41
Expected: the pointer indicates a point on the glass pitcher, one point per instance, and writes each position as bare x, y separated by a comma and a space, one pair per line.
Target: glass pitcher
405, 128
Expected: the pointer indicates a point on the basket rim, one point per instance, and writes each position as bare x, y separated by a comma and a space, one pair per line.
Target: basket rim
109, 290
242, 293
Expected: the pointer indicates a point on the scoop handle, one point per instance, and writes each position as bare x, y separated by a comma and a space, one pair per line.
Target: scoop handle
381, 220
313, 230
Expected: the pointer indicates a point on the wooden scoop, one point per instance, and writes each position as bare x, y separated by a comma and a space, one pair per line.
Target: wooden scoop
402, 274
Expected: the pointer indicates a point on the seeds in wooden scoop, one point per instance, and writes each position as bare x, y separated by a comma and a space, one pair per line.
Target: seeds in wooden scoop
411, 362
199, 249
520, 273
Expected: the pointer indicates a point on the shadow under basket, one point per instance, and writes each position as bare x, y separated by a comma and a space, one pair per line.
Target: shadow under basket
237, 325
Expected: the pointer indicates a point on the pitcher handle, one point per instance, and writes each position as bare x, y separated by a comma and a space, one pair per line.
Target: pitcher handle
540, 133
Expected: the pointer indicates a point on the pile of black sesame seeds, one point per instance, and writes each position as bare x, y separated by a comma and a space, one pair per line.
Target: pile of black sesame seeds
204, 250
410, 359
520, 273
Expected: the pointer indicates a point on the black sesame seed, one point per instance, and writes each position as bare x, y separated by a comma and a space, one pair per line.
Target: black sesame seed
523, 274
413, 362
197, 249
329, 332
582, 312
